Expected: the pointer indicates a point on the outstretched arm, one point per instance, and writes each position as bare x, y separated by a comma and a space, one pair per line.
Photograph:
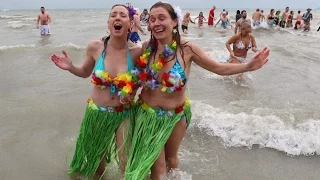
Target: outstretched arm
217, 22
206, 62
191, 20
64, 62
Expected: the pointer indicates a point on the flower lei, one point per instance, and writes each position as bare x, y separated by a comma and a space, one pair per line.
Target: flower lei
170, 81
125, 82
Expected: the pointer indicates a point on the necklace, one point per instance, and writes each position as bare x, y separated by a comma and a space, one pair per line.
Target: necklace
170, 81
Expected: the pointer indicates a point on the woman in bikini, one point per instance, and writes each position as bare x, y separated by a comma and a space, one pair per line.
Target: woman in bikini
242, 43
111, 64
163, 110
277, 18
224, 21
200, 20
270, 18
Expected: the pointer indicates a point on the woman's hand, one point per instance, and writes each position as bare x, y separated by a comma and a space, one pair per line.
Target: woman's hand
258, 60
63, 62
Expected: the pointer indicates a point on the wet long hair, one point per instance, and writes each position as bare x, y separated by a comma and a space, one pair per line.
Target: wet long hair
176, 36
107, 38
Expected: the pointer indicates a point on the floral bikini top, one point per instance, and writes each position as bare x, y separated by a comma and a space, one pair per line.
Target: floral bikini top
240, 45
171, 81
123, 83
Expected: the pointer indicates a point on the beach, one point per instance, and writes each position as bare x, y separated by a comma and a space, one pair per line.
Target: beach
264, 127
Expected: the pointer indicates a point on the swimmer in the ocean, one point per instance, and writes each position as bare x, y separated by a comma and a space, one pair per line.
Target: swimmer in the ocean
277, 18
289, 20
256, 16
242, 42
298, 21
200, 20
43, 19
224, 21
185, 23
270, 18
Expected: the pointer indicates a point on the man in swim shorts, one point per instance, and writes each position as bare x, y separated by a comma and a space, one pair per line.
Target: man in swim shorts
256, 16
298, 22
185, 23
43, 19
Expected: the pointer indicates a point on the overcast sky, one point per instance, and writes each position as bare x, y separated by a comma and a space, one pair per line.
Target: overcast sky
66, 4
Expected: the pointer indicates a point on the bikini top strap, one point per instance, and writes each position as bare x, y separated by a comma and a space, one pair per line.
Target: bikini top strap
129, 59
100, 64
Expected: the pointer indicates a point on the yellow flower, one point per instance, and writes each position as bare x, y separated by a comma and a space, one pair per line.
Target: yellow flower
159, 65
164, 89
92, 105
127, 89
174, 44
124, 77
145, 106
105, 75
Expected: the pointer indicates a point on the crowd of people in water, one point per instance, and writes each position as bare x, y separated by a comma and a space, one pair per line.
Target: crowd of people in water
274, 18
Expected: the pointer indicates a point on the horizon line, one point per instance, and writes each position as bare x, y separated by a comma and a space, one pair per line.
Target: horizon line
8, 9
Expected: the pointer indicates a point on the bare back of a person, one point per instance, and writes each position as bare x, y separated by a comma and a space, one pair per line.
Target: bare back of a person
256, 16
43, 18
157, 98
299, 17
115, 62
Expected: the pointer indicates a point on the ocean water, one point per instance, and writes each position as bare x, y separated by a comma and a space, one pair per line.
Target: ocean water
265, 127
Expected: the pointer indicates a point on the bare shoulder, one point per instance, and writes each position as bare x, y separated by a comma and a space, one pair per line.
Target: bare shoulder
188, 47
135, 49
235, 37
94, 46
135, 52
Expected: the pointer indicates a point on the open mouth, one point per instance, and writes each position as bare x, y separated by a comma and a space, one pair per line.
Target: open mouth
117, 27
158, 30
